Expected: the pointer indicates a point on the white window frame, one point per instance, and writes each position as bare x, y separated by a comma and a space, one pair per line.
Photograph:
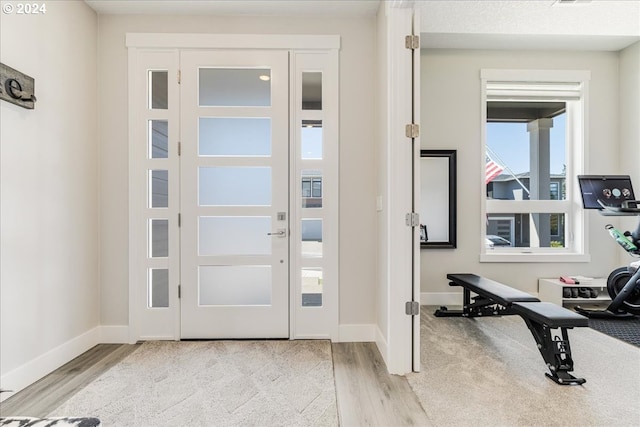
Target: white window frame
571, 86
315, 322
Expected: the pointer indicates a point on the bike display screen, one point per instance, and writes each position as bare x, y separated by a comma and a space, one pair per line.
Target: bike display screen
611, 190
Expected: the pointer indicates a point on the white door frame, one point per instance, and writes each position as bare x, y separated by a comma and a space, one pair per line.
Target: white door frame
140, 45
399, 344
417, 145
315, 322
153, 323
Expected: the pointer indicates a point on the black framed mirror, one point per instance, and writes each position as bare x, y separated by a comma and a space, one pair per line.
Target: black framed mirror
438, 210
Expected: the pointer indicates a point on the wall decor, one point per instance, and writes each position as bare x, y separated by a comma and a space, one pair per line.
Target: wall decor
17, 87
438, 199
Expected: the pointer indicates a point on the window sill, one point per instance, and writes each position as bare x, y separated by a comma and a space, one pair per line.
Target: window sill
534, 257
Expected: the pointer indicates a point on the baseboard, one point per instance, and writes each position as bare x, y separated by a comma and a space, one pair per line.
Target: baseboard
44, 364
441, 298
114, 334
357, 333
383, 347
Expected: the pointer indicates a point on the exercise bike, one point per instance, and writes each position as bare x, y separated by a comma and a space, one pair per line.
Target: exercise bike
613, 195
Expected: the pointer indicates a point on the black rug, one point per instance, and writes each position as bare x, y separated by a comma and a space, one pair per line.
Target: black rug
627, 330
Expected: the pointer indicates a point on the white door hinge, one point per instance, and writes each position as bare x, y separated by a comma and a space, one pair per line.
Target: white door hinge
179, 220
412, 219
179, 77
412, 42
412, 308
179, 148
412, 130
179, 291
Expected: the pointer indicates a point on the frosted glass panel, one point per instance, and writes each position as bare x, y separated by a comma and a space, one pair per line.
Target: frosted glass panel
158, 139
226, 235
312, 287
159, 189
223, 87
312, 91
158, 288
312, 237
234, 186
158, 89
311, 138
234, 285
159, 238
228, 136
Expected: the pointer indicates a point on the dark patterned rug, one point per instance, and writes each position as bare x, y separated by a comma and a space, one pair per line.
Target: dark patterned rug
627, 330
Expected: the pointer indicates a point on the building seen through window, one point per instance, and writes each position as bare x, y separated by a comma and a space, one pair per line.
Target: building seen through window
526, 160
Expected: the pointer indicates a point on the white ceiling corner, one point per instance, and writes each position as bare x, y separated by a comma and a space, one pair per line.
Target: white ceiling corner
237, 7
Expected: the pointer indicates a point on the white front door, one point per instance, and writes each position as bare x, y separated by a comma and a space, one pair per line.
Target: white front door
233, 186
234, 194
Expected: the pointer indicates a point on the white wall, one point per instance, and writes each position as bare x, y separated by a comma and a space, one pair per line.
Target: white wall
49, 254
629, 89
382, 155
357, 148
630, 127
450, 117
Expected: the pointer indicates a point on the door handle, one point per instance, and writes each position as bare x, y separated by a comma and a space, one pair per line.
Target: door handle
282, 232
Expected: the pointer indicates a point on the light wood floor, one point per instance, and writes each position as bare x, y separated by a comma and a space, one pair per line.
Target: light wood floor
42, 397
366, 394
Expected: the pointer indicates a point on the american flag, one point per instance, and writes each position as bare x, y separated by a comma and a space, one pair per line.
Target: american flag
491, 170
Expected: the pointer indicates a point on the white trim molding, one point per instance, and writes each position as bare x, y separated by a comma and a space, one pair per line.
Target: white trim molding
398, 192
34, 369
440, 298
161, 51
114, 334
382, 344
358, 333
232, 41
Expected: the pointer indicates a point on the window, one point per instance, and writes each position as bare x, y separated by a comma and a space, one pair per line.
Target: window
533, 140
311, 189
553, 191
557, 225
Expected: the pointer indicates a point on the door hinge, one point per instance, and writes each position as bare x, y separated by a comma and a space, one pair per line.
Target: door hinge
179, 76
412, 130
179, 148
412, 219
179, 291
412, 42
412, 308
179, 220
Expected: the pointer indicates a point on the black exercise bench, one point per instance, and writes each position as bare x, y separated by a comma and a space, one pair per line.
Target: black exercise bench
496, 299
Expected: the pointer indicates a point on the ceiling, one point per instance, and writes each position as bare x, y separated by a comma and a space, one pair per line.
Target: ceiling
522, 112
238, 7
530, 24
608, 25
